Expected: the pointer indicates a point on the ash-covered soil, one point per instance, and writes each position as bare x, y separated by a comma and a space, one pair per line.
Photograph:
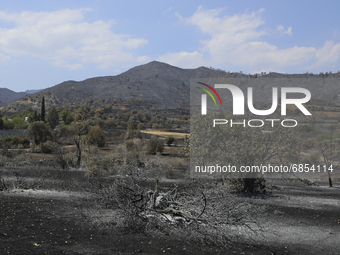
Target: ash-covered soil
299, 219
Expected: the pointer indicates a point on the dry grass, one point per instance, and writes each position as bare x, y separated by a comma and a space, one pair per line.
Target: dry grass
165, 133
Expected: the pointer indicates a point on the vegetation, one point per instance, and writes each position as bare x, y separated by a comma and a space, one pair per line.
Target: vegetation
241, 146
81, 113
169, 140
53, 118
14, 141
155, 145
66, 116
39, 132
96, 136
117, 178
1, 122
42, 113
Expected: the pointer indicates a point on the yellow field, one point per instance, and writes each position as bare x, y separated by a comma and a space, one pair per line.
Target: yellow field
164, 133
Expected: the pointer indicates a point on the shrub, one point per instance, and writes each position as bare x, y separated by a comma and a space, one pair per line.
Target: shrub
308, 143
169, 140
132, 153
323, 137
20, 140
5, 138
241, 185
304, 129
155, 145
140, 126
48, 147
98, 167
3, 160
111, 123
96, 136
169, 173
157, 126
197, 212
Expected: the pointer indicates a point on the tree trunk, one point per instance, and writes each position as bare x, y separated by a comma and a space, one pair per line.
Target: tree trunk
249, 185
78, 144
330, 179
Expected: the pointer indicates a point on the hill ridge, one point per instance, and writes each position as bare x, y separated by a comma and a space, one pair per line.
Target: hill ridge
157, 85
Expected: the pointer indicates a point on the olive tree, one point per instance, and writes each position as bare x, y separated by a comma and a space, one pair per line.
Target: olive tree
39, 132
96, 136
155, 145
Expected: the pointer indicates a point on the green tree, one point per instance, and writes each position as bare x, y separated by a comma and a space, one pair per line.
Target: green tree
33, 116
155, 145
53, 117
81, 113
140, 126
147, 117
42, 114
1, 122
66, 116
39, 132
131, 124
19, 122
96, 136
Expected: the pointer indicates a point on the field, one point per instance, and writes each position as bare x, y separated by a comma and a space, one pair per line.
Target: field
49, 210
165, 133
57, 214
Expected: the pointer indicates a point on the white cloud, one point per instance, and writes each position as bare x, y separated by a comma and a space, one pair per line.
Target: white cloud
170, 8
183, 59
329, 53
65, 39
281, 30
236, 40
4, 58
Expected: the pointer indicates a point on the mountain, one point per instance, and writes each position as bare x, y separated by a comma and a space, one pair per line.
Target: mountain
158, 85
32, 91
7, 95
153, 85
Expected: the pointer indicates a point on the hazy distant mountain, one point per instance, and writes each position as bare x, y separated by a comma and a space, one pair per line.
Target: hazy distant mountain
160, 86
32, 91
7, 95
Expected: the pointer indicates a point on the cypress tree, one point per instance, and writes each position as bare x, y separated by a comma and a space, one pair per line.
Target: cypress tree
42, 114
1, 122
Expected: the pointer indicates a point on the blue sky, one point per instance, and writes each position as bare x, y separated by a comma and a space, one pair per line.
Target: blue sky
43, 43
